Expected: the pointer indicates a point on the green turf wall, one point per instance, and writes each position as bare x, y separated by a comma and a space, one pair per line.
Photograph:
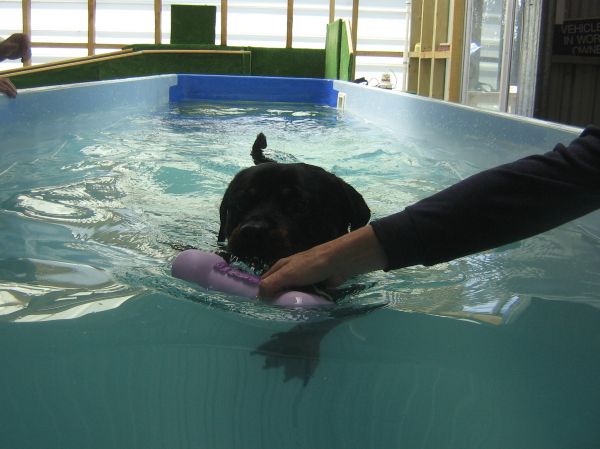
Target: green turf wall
193, 24
334, 62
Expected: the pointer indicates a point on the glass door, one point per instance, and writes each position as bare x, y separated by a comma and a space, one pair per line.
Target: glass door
497, 74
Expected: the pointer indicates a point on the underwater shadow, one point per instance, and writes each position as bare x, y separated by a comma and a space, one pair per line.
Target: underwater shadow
297, 350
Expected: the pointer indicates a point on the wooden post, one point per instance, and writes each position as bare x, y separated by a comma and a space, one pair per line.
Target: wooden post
354, 24
427, 19
157, 21
440, 36
91, 44
426, 40
224, 22
26, 7
290, 23
331, 10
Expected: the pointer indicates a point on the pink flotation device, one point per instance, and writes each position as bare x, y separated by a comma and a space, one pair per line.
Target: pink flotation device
211, 271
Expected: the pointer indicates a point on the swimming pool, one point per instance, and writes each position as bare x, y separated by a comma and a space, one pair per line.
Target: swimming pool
101, 348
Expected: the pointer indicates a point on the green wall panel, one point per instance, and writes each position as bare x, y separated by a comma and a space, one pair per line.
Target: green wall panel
66, 75
139, 65
346, 71
193, 24
295, 62
156, 64
332, 49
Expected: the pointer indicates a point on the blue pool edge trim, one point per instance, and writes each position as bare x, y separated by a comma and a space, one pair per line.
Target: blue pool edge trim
254, 88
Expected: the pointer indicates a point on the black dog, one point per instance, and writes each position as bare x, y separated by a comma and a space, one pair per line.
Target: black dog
273, 210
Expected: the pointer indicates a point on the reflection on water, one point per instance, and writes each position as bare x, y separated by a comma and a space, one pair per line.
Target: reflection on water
93, 220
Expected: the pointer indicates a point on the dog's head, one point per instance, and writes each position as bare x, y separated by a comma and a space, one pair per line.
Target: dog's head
274, 210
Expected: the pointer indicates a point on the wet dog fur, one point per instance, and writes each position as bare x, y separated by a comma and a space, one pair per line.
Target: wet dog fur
273, 210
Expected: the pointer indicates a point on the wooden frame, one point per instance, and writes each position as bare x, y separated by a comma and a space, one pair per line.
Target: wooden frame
91, 45
354, 24
436, 45
331, 10
290, 24
224, 22
157, 22
26, 11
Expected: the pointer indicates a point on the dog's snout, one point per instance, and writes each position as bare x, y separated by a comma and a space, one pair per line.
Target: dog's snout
255, 230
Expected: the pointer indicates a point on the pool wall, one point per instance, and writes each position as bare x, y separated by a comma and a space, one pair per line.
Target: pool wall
415, 116
401, 113
50, 112
47, 113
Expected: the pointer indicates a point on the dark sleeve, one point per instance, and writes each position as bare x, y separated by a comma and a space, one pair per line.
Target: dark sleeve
497, 206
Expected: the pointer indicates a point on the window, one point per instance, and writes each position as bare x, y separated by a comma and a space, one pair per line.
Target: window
59, 28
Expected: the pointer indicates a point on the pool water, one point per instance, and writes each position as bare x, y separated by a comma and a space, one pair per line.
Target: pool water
103, 348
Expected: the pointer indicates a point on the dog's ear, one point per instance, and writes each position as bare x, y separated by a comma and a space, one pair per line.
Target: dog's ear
356, 211
223, 212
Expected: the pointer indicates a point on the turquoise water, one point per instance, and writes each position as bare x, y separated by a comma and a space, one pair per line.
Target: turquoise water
102, 348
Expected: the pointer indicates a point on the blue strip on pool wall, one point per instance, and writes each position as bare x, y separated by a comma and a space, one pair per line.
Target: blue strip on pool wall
254, 88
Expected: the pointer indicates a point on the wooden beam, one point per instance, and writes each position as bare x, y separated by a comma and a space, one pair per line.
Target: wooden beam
440, 24
427, 20
224, 12
157, 22
26, 7
67, 61
331, 10
91, 44
290, 24
191, 52
117, 55
382, 54
442, 54
440, 36
424, 85
416, 17
354, 24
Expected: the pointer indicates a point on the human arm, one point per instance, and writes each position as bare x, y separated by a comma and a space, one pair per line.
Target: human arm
16, 46
497, 206
331, 263
489, 209
8, 88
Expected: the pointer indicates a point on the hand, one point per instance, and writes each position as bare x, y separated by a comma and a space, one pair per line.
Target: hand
16, 46
330, 263
305, 268
8, 88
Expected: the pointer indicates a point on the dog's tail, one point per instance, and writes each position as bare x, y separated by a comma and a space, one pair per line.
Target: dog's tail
257, 150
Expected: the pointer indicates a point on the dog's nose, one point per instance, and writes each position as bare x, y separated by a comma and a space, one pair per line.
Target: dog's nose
255, 230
